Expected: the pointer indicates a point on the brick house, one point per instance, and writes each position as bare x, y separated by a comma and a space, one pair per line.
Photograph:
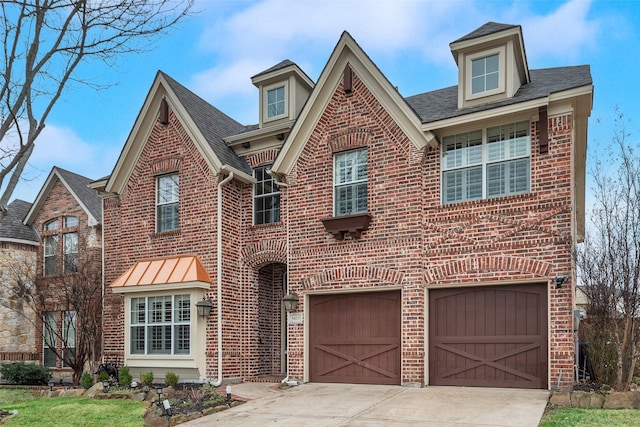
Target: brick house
18, 247
421, 237
67, 217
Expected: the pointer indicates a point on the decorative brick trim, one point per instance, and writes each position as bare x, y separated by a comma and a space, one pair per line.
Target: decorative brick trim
487, 263
263, 158
349, 140
333, 275
264, 252
169, 164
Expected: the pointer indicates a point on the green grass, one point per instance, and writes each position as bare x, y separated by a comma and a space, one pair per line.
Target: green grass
576, 417
69, 411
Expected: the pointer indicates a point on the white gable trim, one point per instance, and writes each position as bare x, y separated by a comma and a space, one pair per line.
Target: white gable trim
44, 193
348, 52
142, 130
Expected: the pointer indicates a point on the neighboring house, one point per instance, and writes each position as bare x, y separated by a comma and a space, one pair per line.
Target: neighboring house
18, 247
67, 216
420, 236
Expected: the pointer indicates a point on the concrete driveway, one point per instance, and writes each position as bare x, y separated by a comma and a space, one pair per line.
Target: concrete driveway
366, 405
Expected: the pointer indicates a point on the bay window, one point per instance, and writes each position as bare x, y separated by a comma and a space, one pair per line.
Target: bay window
160, 325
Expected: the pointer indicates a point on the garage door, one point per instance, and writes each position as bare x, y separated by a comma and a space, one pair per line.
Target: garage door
355, 338
489, 336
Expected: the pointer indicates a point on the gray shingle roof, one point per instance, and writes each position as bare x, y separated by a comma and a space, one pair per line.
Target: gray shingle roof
80, 186
282, 64
443, 103
11, 226
486, 29
213, 124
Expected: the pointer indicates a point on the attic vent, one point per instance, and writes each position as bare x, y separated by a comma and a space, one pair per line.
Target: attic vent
164, 112
543, 132
348, 79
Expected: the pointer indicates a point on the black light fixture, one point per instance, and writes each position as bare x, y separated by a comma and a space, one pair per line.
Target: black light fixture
159, 392
559, 280
204, 307
290, 302
228, 390
167, 408
50, 385
105, 386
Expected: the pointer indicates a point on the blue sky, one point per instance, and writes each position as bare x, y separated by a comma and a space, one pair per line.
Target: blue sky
215, 53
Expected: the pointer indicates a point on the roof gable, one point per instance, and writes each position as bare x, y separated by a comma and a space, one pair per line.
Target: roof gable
347, 52
206, 126
78, 187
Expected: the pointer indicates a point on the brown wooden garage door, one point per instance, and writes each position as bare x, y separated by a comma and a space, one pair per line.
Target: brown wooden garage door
494, 336
355, 338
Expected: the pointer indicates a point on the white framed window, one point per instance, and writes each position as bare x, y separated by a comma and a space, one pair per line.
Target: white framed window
68, 337
51, 255
49, 331
160, 325
266, 198
350, 182
486, 163
275, 102
167, 198
70, 257
486, 73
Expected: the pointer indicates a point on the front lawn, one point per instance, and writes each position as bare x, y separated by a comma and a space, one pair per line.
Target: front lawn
576, 417
69, 411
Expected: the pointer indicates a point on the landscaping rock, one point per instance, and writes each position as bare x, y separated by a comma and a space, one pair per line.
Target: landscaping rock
597, 400
561, 398
93, 390
155, 418
580, 399
621, 400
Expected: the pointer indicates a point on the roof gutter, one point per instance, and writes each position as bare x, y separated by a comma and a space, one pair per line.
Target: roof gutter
218, 380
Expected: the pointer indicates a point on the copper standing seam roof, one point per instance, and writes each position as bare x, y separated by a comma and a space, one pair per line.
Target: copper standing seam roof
157, 271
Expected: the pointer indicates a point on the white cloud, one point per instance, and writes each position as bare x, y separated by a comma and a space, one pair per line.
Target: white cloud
565, 33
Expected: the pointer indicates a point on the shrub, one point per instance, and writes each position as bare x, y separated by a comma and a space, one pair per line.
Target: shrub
171, 379
25, 373
86, 381
146, 378
124, 376
102, 376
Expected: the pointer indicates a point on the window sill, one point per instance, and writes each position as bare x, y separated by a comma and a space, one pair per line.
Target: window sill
352, 225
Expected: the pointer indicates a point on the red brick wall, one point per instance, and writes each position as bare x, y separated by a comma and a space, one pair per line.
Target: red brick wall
414, 241
58, 204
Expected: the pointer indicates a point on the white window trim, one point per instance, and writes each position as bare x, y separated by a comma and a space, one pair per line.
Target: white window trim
265, 101
197, 329
484, 163
158, 204
255, 196
336, 184
502, 77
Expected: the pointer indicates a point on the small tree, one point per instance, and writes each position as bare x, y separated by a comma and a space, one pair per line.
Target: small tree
609, 259
74, 301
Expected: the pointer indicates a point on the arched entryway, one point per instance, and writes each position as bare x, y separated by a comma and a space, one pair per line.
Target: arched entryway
271, 343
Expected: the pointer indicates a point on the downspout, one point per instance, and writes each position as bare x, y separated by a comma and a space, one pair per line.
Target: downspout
218, 381
275, 177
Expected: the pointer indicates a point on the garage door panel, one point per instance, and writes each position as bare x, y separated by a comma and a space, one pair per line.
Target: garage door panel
490, 336
355, 338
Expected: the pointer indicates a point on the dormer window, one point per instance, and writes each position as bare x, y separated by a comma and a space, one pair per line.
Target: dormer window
485, 74
275, 102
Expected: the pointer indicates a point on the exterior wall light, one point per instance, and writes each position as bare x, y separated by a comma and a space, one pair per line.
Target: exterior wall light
559, 280
204, 307
290, 302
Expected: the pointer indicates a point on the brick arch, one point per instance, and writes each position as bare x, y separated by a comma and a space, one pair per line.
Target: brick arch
339, 274
350, 139
488, 263
167, 164
264, 252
